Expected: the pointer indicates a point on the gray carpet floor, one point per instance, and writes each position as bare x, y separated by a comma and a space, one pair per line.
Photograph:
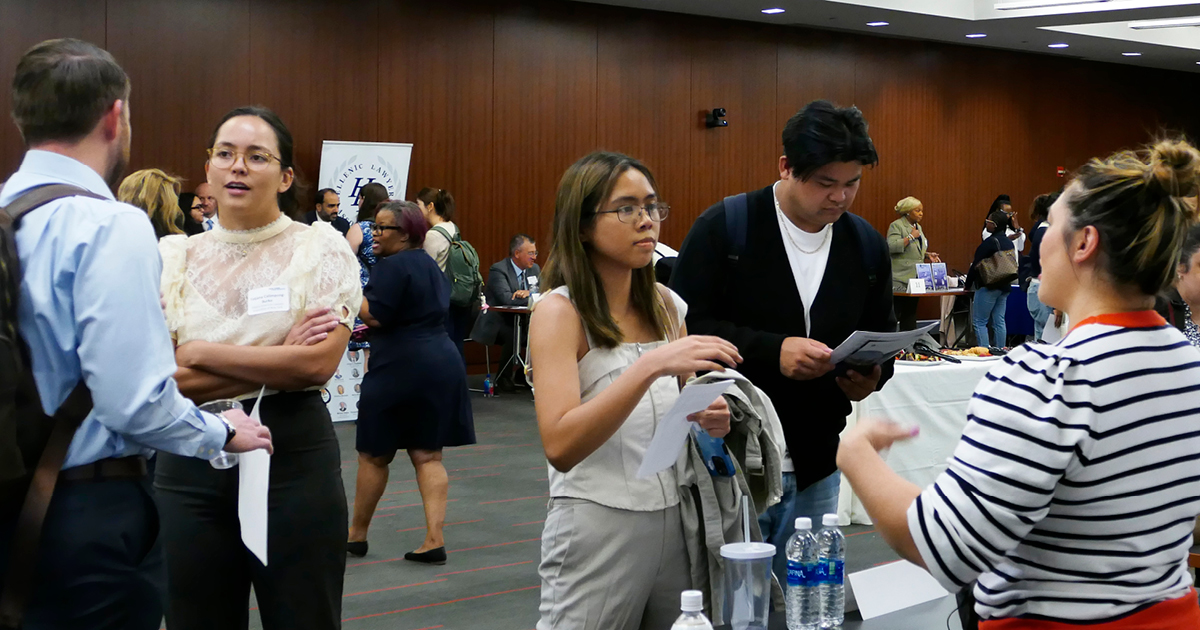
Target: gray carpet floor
498, 492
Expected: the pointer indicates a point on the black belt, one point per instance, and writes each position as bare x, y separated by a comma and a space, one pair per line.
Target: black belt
107, 469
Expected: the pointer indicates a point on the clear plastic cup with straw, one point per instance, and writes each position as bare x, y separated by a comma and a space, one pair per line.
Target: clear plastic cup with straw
223, 460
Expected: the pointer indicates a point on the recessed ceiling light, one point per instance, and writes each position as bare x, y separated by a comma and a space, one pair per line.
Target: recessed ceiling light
976, 35
1060, 45
1131, 54
772, 11
1171, 23
877, 23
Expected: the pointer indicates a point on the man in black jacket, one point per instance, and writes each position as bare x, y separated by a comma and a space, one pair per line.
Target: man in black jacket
807, 274
326, 209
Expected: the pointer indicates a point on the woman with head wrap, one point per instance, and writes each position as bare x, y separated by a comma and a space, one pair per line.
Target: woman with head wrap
908, 247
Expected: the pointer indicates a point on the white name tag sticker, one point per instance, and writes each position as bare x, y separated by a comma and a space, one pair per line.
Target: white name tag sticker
267, 300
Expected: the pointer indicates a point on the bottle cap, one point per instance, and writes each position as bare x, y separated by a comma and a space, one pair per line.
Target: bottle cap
803, 523
829, 520
691, 601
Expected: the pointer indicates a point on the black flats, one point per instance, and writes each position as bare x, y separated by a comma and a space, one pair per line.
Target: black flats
433, 556
357, 549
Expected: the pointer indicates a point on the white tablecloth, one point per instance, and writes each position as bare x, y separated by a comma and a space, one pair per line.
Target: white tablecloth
933, 396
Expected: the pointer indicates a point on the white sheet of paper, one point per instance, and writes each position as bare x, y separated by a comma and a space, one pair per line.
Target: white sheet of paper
672, 430
891, 587
873, 348
254, 479
268, 300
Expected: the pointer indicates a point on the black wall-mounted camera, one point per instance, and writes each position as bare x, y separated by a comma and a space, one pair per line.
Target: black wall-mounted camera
716, 118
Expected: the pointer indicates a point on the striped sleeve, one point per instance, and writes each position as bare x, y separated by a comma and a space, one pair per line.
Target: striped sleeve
999, 483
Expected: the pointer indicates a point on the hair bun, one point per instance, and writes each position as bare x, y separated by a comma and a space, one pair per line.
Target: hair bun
1174, 168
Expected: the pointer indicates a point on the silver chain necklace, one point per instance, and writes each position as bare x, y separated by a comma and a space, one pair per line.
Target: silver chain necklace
783, 227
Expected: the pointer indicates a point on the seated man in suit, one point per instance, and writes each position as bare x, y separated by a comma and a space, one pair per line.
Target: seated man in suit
508, 284
327, 204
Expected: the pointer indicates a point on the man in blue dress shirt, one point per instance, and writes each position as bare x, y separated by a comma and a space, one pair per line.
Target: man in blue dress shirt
89, 309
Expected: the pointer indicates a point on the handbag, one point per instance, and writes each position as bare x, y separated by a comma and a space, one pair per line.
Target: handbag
999, 269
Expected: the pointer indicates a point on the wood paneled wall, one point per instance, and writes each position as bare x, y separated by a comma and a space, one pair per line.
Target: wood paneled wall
500, 97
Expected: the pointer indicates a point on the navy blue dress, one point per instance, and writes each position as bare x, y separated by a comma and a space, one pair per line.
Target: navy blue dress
414, 394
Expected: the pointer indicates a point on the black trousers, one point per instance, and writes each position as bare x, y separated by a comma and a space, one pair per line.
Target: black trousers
457, 320
100, 565
906, 312
210, 571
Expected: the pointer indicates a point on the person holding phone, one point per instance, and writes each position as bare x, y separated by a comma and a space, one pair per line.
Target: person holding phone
908, 247
610, 348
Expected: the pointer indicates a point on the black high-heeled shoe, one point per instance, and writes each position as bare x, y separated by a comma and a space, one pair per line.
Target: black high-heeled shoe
357, 549
433, 556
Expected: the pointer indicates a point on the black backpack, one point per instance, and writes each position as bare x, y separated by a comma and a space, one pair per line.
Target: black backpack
32, 444
737, 217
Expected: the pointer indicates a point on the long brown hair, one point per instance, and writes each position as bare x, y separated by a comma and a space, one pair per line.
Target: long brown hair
586, 186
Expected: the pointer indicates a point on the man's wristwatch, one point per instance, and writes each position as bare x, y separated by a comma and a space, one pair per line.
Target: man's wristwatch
229, 430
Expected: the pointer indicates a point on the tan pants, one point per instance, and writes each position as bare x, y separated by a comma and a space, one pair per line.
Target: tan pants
609, 569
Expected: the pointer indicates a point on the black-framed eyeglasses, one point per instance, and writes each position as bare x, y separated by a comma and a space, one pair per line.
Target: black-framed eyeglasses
378, 229
631, 214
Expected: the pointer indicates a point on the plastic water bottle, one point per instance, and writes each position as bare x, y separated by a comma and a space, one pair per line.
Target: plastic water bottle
692, 604
831, 564
803, 607
489, 388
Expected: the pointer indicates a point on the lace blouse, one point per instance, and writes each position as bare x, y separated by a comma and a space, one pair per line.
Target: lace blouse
250, 287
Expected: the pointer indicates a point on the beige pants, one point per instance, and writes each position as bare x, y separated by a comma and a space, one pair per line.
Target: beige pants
609, 569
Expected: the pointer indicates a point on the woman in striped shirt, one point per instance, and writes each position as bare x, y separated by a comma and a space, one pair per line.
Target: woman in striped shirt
1072, 495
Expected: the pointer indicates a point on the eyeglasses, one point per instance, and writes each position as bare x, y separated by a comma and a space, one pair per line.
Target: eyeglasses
378, 229
256, 160
631, 214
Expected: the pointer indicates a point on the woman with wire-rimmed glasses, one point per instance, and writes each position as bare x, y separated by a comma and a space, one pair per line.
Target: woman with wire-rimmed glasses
610, 346
258, 301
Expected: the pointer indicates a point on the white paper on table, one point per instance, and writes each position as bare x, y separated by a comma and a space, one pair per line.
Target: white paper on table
891, 587
672, 431
254, 478
873, 348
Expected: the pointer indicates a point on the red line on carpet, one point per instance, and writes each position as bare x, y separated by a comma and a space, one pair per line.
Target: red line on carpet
488, 449
498, 566
473, 477
476, 468
869, 531
413, 529
392, 588
495, 545
453, 601
408, 505
529, 523
540, 496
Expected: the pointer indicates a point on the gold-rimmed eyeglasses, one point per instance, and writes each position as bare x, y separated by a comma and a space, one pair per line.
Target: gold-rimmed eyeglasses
255, 160
631, 214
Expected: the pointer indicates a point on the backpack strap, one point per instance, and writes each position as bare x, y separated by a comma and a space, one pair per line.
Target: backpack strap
22, 561
737, 218
39, 196
872, 256
18, 579
444, 232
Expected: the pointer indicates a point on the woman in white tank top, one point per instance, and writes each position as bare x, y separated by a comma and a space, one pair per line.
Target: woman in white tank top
610, 348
